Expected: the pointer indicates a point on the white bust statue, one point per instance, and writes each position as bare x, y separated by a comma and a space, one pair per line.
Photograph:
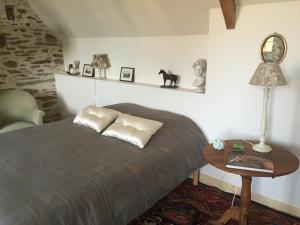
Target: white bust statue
199, 68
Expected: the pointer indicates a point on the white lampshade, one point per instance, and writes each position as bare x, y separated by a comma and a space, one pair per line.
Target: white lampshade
268, 75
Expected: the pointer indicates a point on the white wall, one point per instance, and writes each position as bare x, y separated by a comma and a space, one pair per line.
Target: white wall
74, 94
146, 54
231, 108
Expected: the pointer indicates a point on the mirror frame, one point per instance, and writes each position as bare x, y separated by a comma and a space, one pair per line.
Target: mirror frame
284, 42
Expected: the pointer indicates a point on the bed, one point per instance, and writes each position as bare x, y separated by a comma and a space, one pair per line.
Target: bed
65, 174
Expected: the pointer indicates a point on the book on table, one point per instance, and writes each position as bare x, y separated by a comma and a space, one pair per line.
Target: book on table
250, 161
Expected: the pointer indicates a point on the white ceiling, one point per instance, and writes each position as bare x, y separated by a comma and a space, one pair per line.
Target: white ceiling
123, 18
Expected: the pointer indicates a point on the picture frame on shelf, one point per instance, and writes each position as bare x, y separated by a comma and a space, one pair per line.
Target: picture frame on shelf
88, 70
127, 74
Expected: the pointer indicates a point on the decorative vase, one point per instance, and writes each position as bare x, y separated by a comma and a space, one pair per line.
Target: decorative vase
218, 144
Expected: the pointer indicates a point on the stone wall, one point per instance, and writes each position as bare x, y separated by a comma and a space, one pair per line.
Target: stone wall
29, 55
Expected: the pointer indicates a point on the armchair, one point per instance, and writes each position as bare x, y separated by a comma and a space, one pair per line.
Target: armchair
18, 109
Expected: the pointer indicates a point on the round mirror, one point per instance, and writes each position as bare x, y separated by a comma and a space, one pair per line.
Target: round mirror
273, 48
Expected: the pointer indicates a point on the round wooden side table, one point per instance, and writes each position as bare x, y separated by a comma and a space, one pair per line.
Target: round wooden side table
284, 161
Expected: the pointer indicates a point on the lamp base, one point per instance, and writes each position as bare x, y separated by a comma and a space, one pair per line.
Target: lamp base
262, 147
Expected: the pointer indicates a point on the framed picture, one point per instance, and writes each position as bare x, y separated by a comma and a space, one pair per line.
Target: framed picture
88, 70
127, 74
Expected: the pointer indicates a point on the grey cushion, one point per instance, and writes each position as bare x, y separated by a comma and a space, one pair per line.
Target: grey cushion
16, 126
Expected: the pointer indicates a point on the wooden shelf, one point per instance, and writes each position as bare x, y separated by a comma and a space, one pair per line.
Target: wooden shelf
134, 83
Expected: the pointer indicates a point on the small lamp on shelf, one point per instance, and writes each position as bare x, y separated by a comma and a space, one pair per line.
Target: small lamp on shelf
101, 62
266, 75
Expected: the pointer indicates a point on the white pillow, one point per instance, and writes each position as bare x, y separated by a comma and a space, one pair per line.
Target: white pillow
132, 129
96, 118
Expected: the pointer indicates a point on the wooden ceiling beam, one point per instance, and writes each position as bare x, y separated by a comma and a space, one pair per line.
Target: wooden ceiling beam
229, 12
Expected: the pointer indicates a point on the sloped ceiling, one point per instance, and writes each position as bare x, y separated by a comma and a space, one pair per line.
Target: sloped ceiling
123, 18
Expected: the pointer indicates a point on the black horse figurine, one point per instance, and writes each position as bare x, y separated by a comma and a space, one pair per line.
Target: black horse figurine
171, 77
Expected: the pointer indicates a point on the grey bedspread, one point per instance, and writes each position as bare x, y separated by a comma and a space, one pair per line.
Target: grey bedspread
64, 174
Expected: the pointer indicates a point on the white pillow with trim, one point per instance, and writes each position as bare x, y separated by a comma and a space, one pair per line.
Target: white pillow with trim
96, 118
132, 129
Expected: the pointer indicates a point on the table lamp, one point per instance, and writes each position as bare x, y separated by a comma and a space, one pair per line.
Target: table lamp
266, 75
101, 62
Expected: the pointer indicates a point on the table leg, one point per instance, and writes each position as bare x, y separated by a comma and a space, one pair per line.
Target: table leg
232, 213
245, 200
239, 213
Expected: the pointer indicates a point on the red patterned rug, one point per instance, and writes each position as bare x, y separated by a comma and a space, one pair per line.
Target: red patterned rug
199, 205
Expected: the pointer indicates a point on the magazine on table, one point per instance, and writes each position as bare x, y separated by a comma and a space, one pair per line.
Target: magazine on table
250, 161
